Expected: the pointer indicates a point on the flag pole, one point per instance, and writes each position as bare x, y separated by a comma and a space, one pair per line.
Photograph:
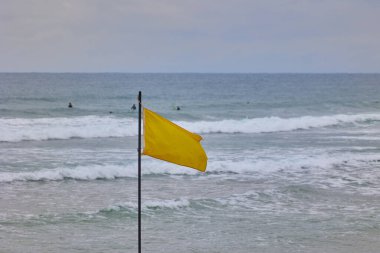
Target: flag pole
139, 176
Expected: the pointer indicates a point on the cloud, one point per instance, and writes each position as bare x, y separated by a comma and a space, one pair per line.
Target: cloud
189, 36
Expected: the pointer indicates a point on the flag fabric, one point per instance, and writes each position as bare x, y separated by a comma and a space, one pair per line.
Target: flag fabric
167, 141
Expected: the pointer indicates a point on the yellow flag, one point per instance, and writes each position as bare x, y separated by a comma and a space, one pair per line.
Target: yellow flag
167, 141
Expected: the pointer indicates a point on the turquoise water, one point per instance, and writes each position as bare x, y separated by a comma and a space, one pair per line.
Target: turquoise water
293, 163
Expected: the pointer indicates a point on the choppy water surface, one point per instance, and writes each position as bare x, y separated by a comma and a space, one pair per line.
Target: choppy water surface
294, 163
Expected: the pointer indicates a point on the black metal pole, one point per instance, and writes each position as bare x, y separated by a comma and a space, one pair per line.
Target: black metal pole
139, 175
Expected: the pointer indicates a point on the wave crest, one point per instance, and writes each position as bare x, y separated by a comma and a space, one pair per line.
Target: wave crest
229, 169
20, 129
276, 124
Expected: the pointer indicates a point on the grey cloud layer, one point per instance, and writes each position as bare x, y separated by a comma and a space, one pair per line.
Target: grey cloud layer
190, 36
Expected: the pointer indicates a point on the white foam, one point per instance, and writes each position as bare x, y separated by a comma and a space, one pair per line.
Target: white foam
275, 124
270, 161
364, 138
90, 172
218, 166
22, 129
151, 205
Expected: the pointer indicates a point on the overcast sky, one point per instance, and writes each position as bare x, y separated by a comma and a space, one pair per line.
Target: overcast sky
190, 36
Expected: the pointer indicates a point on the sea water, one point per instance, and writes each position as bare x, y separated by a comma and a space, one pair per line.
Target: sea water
294, 163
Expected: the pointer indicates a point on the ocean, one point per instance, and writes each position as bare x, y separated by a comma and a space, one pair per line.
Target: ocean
294, 163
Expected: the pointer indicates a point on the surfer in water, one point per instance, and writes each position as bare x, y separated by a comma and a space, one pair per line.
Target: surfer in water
70, 105
133, 108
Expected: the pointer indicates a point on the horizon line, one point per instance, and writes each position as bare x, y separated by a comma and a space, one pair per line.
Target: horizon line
184, 72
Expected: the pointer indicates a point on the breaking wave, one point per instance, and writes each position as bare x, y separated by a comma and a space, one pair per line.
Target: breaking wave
149, 205
20, 129
78, 173
238, 168
276, 124
39, 129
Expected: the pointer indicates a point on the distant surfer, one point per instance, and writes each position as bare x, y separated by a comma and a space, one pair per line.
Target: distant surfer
133, 108
70, 105
178, 108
